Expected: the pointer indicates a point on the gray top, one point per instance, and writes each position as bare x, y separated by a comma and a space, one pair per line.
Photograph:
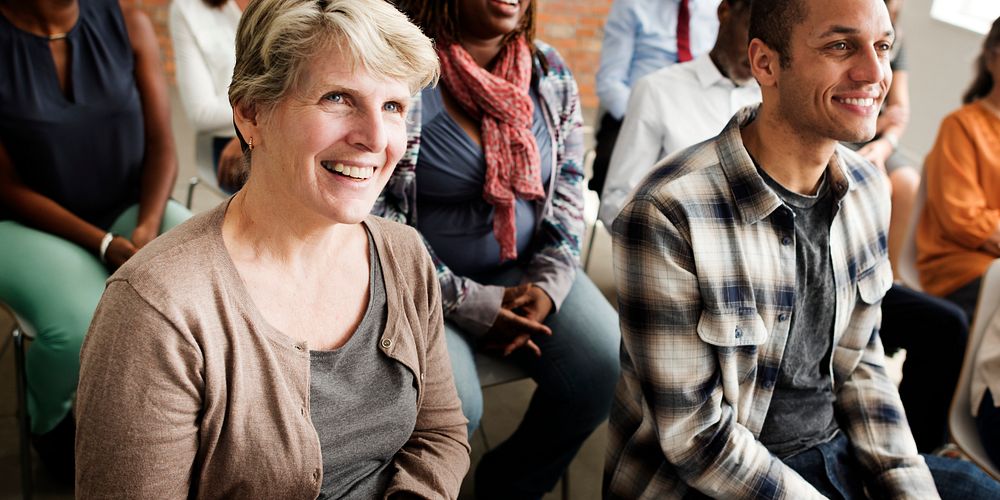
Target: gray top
801, 413
451, 172
363, 404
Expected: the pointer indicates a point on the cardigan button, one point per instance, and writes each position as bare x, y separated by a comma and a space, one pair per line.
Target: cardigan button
386, 343
787, 240
783, 317
316, 475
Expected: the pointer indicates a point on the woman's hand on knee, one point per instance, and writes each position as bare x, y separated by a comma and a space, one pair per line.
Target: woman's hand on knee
517, 321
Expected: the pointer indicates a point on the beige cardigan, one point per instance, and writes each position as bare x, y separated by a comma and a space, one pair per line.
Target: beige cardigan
186, 392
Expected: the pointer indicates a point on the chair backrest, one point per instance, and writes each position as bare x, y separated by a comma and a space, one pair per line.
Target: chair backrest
17, 321
907, 262
961, 424
493, 371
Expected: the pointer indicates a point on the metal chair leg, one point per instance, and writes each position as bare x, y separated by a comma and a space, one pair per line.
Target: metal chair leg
22, 412
192, 183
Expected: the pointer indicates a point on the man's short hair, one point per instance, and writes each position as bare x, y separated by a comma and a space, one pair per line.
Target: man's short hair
772, 21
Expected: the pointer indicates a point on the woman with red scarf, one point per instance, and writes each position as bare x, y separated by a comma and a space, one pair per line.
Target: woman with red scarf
493, 181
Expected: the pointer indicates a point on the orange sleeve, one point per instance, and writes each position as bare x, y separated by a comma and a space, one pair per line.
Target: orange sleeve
953, 184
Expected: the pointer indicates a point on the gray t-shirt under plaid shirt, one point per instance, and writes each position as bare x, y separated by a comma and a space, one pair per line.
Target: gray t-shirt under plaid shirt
801, 412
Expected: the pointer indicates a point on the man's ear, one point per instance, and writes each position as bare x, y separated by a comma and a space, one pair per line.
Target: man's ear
765, 63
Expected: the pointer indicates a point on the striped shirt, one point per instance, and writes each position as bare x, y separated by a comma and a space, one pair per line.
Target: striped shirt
705, 268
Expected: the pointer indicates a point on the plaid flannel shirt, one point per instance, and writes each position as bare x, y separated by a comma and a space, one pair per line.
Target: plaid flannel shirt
556, 246
705, 266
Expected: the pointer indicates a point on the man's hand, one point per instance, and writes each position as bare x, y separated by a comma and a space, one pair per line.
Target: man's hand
521, 314
119, 250
231, 174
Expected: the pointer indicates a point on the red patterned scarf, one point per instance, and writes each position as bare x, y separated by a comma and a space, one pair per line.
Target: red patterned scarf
499, 99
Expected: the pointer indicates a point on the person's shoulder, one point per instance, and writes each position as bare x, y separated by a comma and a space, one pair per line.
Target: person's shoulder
400, 239
554, 63
179, 261
686, 175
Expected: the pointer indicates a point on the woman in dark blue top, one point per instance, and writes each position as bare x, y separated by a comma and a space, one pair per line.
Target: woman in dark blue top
87, 165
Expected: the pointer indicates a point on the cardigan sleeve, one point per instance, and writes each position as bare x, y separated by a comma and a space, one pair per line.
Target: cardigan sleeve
138, 402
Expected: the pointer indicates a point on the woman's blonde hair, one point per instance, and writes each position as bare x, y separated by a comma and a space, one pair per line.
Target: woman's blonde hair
275, 38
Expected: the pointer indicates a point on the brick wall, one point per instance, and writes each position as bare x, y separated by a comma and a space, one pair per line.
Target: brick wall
157, 10
574, 27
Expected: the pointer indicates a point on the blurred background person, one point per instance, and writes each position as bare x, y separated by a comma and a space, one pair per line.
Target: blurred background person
203, 33
642, 36
958, 235
87, 164
681, 105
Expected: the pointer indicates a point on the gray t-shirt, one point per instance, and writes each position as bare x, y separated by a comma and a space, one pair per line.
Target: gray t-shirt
363, 404
801, 413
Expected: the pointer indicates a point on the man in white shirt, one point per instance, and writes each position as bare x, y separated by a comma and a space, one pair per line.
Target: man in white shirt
681, 105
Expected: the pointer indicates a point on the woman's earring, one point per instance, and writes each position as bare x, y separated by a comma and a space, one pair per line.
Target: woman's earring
250, 143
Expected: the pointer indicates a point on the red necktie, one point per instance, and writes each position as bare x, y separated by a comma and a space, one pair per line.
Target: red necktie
683, 32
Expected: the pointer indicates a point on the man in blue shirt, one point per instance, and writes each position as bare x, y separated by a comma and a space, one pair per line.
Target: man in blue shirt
641, 36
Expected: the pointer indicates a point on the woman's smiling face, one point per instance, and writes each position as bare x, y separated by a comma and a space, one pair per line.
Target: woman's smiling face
332, 143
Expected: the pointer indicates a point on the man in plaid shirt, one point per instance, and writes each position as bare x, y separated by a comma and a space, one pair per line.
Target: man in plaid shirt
750, 272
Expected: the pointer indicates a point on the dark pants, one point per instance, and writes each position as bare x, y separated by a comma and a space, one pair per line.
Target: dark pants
604, 141
833, 470
933, 332
988, 423
966, 297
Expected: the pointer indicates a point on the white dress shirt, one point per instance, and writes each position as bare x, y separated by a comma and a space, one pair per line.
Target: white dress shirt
669, 110
204, 40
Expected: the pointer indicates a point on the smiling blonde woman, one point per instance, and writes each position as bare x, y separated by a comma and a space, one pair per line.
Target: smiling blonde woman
285, 344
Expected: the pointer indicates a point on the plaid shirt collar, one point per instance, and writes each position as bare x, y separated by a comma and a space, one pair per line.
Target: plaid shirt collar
754, 199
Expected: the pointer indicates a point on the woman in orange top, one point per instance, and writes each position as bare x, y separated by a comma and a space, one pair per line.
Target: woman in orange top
959, 231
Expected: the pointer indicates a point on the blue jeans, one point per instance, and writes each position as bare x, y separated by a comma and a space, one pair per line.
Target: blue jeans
576, 377
832, 469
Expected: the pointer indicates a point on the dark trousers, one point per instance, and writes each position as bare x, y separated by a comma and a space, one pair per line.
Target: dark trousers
604, 141
833, 470
966, 297
934, 332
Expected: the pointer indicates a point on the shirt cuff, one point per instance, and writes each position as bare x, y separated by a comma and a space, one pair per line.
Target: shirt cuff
476, 314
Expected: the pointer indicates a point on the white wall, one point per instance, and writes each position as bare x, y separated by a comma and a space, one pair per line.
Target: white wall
940, 58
